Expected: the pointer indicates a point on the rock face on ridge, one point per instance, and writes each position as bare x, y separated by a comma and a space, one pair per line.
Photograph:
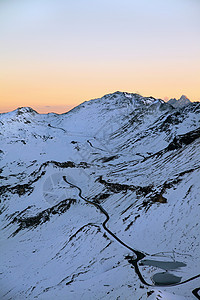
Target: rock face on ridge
180, 102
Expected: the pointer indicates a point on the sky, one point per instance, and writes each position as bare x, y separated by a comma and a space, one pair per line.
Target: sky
56, 54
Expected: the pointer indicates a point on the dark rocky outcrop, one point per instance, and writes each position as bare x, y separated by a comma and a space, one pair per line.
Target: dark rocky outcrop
117, 187
43, 216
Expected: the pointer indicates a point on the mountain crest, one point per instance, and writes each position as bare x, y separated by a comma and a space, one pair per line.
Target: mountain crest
183, 101
22, 110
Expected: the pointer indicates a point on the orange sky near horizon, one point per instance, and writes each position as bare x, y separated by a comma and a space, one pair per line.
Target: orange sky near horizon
54, 56
59, 92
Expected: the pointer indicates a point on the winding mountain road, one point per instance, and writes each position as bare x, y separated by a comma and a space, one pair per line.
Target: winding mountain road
139, 255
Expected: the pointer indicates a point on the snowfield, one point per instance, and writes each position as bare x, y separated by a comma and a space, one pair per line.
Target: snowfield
139, 159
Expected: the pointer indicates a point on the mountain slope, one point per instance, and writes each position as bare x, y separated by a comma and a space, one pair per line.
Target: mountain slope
138, 159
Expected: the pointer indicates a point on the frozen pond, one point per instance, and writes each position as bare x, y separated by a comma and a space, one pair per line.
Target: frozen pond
165, 265
165, 278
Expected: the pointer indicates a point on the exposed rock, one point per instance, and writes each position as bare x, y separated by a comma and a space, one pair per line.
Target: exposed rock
183, 101
43, 216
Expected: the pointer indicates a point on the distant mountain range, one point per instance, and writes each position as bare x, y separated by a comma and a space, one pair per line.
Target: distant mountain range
101, 202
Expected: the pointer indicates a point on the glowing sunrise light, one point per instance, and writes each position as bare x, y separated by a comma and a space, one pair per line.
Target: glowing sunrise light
56, 54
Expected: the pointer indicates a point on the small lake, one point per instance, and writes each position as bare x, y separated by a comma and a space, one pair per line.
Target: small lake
165, 265
165, 278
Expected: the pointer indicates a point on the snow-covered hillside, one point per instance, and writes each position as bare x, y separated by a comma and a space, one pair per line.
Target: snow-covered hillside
101, 202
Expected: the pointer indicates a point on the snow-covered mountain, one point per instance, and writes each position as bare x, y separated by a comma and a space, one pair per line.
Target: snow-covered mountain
180, 102
101, 202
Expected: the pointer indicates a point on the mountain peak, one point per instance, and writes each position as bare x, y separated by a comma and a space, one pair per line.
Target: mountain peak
22, 110
137, 99
184, 98
182, 101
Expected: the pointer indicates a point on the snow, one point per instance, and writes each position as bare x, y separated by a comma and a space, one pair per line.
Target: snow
69, 255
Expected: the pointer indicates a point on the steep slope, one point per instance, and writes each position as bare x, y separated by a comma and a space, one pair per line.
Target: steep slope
101, 202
